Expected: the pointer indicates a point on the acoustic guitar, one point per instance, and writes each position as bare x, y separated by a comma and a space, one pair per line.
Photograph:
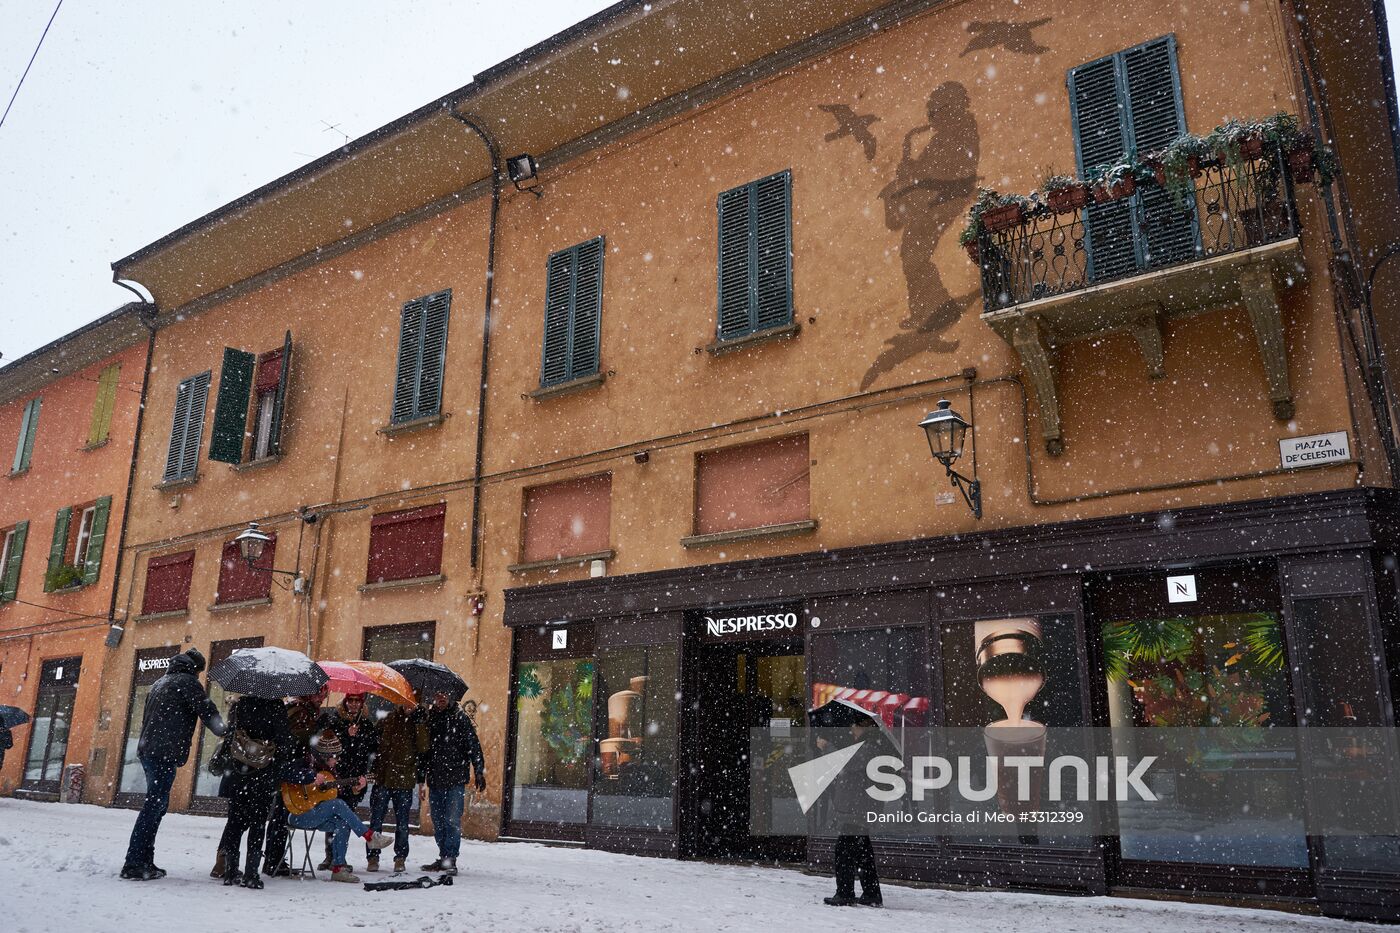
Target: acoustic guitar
300, 798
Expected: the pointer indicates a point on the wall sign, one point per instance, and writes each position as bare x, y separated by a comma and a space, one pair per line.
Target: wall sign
1181, 589
744, 624
559, 639
1295, 452
152, 664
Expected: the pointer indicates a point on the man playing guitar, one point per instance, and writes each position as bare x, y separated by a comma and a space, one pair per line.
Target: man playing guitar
311, 795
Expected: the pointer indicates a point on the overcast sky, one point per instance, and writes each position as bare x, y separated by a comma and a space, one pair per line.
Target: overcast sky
138, 117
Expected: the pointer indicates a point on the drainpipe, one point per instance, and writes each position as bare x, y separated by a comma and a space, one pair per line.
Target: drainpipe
473, 124
147, 314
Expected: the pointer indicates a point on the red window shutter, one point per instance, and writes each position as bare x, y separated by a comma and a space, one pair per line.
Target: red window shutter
405, 545
753, 485
269, 371
168, 583
568, 518
237, 581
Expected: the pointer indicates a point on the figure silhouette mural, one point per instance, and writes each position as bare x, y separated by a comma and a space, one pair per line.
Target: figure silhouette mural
933, 186
1014, 37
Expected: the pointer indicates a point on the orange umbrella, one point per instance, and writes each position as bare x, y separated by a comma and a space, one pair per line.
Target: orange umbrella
388, 683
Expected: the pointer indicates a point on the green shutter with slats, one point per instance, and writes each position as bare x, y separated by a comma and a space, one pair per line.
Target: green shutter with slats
755, 256
410, 348
1130, 102
59, 546
422, 357
573, 306
187, 428
279, 401
91, 562
9, 574
231, 409
102, 406
28, 427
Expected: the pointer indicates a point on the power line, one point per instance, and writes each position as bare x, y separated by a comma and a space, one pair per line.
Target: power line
30, 65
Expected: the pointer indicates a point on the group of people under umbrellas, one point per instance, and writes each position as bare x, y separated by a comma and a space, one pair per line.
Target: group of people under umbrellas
287, 763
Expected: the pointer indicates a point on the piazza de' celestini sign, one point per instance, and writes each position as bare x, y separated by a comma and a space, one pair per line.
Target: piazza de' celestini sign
1313, 450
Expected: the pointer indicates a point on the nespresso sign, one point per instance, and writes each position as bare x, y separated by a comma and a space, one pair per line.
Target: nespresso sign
751, 623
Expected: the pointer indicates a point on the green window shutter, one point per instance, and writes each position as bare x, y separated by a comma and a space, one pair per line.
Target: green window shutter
178, 422
9, 574
279, 402
102, 407
187, 428
1131, 102
773, 251
231, 409
735, 250
558, 293
434, 356
92, 560
29, 425
410, 350
59, 545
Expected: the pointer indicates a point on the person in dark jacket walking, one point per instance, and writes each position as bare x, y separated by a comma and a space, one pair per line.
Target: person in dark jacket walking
173, 707
6, 741
358, 733
453, 755
303, 716
259, 746
854, 855
402, 738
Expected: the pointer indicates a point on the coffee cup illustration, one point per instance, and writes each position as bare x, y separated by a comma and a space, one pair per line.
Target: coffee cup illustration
1011, 670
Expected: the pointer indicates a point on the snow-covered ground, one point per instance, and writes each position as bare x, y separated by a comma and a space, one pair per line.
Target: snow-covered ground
59, 863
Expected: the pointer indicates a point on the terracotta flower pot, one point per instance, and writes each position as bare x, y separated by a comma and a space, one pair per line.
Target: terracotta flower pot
974, 251
1001, 218
1300, 165
1123, 188
1252, 147
1064, 200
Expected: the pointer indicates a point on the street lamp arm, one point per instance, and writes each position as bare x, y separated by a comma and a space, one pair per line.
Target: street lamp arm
971, 490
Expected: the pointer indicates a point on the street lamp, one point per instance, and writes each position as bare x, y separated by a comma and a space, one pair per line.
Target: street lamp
946, 431
251, 544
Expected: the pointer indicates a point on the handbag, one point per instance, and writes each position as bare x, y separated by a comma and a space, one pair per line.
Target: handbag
250, 752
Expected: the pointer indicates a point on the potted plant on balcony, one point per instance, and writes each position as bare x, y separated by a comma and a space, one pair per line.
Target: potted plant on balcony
1003, 211
1176, 167
1115, 180
63, 577
971, 240
1064, 193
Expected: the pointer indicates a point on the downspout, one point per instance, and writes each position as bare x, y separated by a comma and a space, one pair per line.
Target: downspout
473, 124
148, 318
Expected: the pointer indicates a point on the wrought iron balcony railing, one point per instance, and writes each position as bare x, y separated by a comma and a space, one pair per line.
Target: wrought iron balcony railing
1229, 206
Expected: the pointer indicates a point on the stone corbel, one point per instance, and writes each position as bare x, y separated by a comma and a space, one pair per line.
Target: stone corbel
1261, 300
1032, 344
1146, 328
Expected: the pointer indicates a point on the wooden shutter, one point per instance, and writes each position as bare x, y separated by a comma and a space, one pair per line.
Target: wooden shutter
168, 583
573, 305
29, 425
734, 263
187, 427
410, 349
59, 546
405, 545
279, 401
231, 409
9, 574
102, 407
178, 423
1131, 102
434, 359
753, 485
567, 518
773, 251
92, 561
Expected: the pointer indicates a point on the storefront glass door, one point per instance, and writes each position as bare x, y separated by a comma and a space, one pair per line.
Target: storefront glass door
53, 717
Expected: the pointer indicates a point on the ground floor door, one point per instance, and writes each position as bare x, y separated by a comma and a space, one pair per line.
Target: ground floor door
738, 686
53, 718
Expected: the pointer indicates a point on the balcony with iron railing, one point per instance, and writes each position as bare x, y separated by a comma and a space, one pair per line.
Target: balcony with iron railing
1087, 261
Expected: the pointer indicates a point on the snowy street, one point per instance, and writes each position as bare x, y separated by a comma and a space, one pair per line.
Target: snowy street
61, 865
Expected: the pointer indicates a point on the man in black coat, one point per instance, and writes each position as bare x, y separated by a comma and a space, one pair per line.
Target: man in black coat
453, 755
855, 856
6, 741
359, 737
176, 703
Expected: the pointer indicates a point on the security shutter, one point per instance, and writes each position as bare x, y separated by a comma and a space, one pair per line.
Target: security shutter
9, 574
58, 547
755, 256
422, 357
406, 544
102, 406
573, 305
187, 428
231, 409
29, 425
1130, 102
91, 562
168, 583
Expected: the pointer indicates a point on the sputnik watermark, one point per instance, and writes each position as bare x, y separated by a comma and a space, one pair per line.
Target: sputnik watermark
1116, 777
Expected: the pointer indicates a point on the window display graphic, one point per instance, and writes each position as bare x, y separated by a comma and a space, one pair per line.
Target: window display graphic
624, 742
1011, 670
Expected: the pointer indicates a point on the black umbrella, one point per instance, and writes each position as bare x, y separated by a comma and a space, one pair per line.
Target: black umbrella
13, 716
841, 714
270, 673
429, 677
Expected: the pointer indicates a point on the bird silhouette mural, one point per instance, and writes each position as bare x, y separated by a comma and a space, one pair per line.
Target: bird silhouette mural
1014, 37
852, 124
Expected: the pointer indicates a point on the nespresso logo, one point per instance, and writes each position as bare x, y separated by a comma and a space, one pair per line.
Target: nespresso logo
151, 664
717, 627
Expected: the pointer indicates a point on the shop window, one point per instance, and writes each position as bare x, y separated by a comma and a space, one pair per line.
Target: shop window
168, 583
240, 583
263, 379
187, 429
387, 643
567, 519
75, 553
884, 670
553, 740
150, 665
53, 718
406, 545
12, 541
753, 485
205, 784
635, 726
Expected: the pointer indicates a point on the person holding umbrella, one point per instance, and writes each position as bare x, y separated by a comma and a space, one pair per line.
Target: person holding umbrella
6, 740
453, 755
258, 746
11, 717
175, 704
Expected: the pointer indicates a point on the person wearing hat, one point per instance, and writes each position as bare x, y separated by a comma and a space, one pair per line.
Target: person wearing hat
311, 794
176, 703
303, 717
453, 756
359, 741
